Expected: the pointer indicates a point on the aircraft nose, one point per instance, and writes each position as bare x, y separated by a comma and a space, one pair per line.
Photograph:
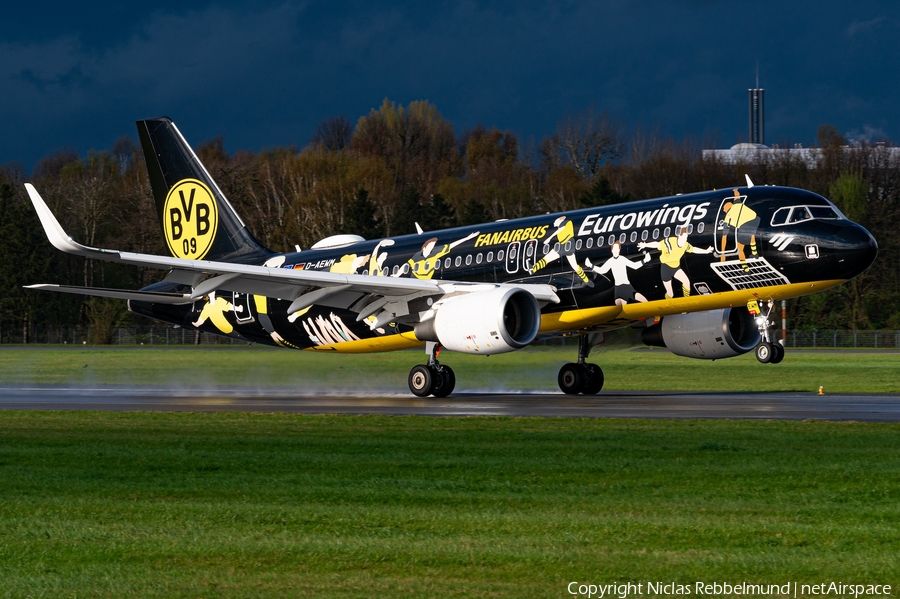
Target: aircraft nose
855, 249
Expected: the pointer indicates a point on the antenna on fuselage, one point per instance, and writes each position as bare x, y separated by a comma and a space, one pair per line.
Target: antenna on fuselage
749, 182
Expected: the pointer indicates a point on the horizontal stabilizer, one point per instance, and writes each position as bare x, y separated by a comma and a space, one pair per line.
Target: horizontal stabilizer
143, 296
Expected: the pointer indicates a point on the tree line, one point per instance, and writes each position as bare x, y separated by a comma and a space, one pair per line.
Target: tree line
400, 165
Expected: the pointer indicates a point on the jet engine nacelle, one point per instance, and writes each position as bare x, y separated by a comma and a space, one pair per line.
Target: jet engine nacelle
705, 335
496, 321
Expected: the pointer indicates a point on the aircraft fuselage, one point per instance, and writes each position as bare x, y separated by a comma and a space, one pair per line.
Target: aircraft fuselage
611, 266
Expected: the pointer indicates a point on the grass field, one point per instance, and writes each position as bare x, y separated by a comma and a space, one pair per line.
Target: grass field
528, 369
254, 505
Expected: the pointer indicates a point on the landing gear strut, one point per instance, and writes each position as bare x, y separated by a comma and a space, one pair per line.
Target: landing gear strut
578, 377
767, 352
432, 378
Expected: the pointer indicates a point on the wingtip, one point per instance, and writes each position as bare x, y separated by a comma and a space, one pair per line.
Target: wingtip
52, 229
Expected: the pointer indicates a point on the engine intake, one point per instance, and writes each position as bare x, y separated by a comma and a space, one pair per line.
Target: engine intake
485, 322
705, 335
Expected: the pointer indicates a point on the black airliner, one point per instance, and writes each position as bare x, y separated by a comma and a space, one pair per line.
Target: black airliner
697, 273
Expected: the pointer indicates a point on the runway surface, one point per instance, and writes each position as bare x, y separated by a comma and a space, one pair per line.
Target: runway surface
608, 404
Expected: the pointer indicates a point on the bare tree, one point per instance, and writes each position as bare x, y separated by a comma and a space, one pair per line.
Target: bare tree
585, 142
333, 134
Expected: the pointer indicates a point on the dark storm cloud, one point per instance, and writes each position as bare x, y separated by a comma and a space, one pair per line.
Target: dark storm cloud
263, 74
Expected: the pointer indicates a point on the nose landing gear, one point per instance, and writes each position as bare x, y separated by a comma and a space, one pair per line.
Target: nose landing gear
433, 378
767, 352
578, 377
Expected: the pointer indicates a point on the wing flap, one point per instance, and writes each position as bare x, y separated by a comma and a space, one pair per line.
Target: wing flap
159, 297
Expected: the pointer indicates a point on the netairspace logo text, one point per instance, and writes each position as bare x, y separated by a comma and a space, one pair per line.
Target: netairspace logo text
622, 590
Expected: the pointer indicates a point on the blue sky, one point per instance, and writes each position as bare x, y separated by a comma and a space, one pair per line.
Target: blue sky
263, 74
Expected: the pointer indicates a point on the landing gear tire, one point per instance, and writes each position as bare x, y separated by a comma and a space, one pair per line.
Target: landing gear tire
595, 380
445, 381
765, 352
421, 380
572, 378
778, 353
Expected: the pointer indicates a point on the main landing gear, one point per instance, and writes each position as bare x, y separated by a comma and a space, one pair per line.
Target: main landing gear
768, 351
578, 377
432, 378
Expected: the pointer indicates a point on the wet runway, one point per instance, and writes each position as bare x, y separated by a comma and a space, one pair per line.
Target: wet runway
608, 404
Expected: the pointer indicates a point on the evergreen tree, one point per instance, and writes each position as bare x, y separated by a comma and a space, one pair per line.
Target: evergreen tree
408, 212
473, 213
441, 215
360, 219
602, 194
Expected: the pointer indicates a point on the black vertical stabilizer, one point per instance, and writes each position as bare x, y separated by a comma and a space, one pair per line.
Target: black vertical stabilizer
184, 192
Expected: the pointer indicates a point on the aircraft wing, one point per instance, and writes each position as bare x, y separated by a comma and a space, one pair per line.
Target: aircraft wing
387, 297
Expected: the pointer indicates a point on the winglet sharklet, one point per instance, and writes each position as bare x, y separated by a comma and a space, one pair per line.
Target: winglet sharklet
54, 231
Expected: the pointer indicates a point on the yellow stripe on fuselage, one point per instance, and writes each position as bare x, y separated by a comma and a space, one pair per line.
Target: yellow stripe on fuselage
374, 344
574, 320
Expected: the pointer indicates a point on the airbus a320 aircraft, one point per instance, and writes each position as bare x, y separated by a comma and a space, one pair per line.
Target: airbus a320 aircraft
698, 273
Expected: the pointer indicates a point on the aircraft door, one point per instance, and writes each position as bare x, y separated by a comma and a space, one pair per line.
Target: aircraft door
529, 254
512, 257
241, 303
723, 229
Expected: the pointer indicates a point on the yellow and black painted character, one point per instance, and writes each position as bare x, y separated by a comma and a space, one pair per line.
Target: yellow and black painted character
262, 312
349, 264
422, 264
377, 258
564, 233
672, 250
327, 331
743, 221
214, 310
619, 265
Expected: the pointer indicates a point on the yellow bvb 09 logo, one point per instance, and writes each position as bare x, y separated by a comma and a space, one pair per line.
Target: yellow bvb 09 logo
190, 219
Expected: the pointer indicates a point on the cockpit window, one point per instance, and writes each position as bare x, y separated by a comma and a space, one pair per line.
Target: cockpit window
823, 212
799, 214
781, 216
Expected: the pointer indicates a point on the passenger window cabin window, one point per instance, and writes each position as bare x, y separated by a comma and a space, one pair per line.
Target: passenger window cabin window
622, 238
490, 256
437, 264
667, 231
589, 243
644, 235
396, 270
599, 242
468, 259
478, 258
611, 240
458, 262
500, 256
446, 262
655, 234
577, 245
700, 227
633, 237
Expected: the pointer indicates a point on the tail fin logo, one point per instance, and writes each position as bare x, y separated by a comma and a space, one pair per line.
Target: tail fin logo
190, 219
